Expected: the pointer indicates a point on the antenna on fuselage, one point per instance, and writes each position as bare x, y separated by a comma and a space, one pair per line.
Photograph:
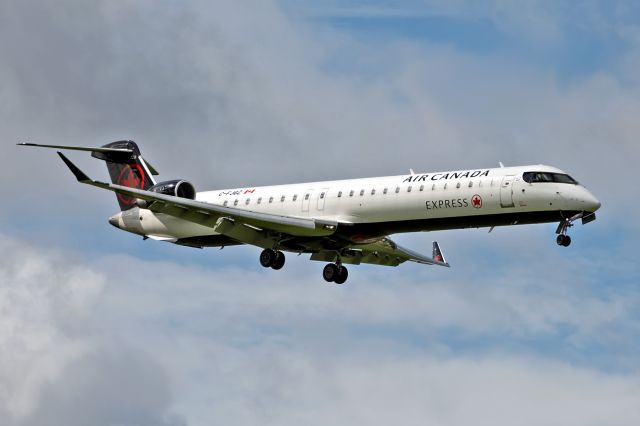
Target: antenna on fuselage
501, 165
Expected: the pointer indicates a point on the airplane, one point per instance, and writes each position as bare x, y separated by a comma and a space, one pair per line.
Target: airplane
339, 222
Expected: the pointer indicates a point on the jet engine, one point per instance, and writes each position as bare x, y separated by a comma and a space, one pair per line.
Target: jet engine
177, 188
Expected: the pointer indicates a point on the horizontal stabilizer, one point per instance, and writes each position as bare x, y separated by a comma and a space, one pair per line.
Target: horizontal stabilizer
116, 154
79, 148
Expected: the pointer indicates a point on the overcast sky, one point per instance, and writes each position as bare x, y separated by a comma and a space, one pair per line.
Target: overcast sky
99, 327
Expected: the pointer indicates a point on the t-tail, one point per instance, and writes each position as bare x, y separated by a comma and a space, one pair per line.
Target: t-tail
125, 164
126, 168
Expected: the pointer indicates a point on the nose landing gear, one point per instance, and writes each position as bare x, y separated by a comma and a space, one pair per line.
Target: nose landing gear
563, 240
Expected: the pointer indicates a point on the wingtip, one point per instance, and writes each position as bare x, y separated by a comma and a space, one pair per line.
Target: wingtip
79, 174
438, 256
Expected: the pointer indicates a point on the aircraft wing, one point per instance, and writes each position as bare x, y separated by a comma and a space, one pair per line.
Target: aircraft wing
387, 247
252, 227
383, 252
227, 220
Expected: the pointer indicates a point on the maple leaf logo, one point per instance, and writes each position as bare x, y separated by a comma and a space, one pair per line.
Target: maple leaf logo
130, 176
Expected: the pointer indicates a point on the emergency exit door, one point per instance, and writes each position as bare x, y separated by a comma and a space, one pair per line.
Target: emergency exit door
506, 191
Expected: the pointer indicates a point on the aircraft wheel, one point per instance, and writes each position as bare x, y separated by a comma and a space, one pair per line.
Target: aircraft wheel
563, 240
268, 258
278, 263
343, 274
330, 272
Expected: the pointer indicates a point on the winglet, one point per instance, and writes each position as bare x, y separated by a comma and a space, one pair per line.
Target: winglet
79, 174
437, 254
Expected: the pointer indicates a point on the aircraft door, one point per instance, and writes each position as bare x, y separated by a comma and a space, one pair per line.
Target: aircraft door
506, 191
322, 196
306, 200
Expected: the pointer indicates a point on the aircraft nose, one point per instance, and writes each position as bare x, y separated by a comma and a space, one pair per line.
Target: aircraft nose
591, 203
114, 220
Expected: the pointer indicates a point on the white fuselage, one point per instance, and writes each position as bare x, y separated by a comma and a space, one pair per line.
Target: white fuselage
384, 205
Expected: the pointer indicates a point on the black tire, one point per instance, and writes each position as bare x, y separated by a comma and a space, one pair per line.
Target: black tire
267, 258
343, 274
330, 272
560, 240
567, 241
278, 263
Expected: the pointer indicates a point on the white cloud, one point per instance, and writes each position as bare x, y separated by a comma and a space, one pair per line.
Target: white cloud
246, 94
117, 339
242, 95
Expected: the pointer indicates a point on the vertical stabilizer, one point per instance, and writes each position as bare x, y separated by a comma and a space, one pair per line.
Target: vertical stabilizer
126, 168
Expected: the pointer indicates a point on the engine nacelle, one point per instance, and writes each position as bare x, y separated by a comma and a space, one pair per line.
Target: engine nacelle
177, 188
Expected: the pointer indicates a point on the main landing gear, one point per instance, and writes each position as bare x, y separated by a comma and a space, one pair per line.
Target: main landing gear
273, 259
335, 273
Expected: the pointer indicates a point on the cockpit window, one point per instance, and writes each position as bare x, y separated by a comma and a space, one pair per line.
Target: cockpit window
558, 177
533, 177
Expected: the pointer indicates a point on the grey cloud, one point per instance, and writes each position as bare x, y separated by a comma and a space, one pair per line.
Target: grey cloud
56, 366
230, 94
299, 351
235, 94
121, 340
111, 385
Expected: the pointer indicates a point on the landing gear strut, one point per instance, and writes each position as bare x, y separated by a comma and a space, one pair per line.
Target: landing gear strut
563, 239
270, 258
335, 273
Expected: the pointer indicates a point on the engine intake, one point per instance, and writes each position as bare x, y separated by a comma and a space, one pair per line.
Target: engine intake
177, 188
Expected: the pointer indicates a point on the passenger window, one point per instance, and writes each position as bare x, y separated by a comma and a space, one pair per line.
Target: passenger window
470, 184
321, 195
361, 192
259, 200
339, 194
282, 199
421, 188
270, 199
445, 186
433, 187
397, 189
295, 197
384, 191
247, 201
409, 189
306, 196
458, 185
225, 203
235, 203
351, 193
373, 192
